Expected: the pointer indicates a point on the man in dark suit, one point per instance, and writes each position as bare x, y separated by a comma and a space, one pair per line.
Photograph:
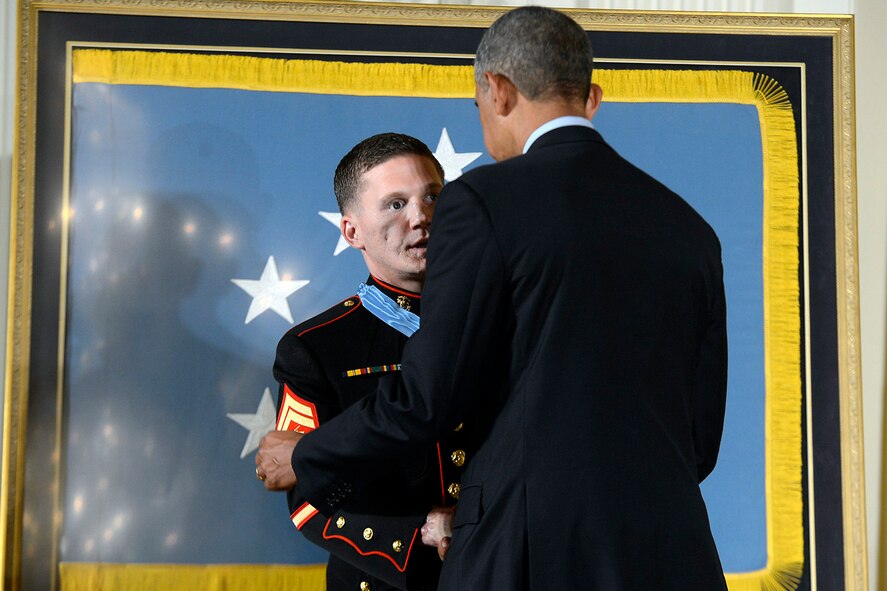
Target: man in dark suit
574, 309
386, 188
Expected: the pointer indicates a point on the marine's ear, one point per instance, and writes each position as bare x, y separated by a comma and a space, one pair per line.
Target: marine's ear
351, 232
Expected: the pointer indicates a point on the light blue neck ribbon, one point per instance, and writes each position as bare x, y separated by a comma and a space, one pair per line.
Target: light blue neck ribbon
386, 310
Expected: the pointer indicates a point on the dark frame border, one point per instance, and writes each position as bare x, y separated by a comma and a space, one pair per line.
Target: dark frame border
34, 413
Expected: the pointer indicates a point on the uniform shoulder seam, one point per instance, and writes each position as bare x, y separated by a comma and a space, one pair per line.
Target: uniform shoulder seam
349, 310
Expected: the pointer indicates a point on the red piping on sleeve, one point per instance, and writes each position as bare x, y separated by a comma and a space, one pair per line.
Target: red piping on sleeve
406, 559
443, 490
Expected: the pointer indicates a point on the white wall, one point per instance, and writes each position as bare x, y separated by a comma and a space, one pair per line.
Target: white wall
871, 158
871, 52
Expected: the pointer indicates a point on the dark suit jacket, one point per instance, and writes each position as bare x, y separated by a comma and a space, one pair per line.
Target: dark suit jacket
574, 307
374, 537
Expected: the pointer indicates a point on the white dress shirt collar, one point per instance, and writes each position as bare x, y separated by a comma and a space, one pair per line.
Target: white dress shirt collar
554, 124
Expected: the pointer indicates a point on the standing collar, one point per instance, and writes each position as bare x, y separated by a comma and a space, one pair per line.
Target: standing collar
403, 297
554, 124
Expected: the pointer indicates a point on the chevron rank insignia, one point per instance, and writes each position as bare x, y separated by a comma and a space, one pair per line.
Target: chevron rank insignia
296, 414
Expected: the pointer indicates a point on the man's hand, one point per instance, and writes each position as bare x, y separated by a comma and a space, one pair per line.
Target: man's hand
274, 459
438, 529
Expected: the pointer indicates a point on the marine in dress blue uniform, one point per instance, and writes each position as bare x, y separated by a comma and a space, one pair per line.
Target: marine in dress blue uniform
324, 365
386, 188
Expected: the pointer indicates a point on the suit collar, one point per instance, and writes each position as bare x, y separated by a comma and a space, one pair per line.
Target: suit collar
557, 122
565, 135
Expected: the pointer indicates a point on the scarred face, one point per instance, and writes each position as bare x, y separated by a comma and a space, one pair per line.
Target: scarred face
391, 219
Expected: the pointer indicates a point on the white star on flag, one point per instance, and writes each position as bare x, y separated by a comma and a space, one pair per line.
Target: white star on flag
257, 424
269, 292
335, 219
451, 161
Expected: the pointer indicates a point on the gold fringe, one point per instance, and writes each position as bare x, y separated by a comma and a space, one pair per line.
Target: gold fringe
90, 576
274, 75
782, 335
782, 329
672, 86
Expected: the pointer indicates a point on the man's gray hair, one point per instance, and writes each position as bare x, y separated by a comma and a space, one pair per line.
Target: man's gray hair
542, 51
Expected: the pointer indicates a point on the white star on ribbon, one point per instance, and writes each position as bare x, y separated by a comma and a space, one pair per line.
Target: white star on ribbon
269, 292
335, 219
451, 161
257, 424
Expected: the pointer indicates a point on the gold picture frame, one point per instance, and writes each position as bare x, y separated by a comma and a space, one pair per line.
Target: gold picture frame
818, 50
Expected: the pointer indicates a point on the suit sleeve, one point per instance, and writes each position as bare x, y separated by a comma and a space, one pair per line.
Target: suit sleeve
710, 393
465, 307
306, 400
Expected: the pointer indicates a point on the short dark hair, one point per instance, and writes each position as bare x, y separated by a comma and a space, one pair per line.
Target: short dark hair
545, 53
370, 153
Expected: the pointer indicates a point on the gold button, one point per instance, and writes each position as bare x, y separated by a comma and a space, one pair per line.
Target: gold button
397, 545
368, 533
458, 457
454, 489
404, 302
364, 586
459, 427
340, 522
348, 304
